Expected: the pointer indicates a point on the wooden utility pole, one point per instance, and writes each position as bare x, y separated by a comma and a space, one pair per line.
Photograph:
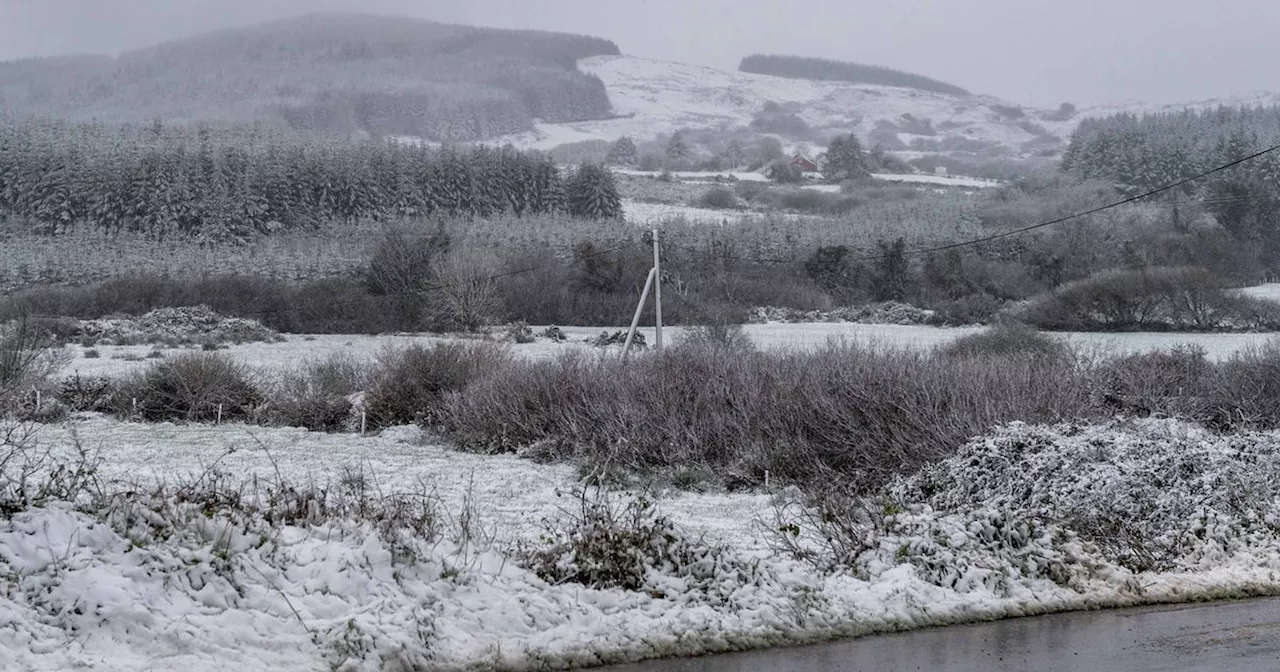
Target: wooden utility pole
657, 290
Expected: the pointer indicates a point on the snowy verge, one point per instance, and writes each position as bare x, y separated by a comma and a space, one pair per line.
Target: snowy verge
139, 579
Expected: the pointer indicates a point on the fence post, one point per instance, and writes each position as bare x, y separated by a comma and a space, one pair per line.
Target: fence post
657, 291
635, 321
219, 414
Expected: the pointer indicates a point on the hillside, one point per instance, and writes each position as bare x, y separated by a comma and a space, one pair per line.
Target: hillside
799, 67
654, 98
657, 97
329, 72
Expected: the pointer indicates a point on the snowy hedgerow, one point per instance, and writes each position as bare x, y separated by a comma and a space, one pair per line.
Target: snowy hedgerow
1152, 495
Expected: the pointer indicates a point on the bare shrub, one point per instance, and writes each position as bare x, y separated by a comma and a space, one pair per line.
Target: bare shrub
718, 198
318, 395
410, 384
1010, 339
28, 357
464, 296
404, 260
193, 387
1162, 298
1172, 383
848, 409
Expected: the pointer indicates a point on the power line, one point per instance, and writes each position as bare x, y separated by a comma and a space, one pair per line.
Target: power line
1060, 220
1094, 211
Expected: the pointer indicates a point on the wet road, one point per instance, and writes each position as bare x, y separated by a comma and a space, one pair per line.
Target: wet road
1241, 636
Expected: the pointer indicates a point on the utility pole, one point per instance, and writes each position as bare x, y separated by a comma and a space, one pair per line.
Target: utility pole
657, 290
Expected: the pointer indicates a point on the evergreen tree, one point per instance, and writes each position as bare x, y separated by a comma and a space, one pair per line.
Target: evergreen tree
844, 159
677, 150
592, 193
890, 280
623, 153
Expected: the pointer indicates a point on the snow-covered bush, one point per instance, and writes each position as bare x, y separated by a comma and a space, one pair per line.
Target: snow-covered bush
411, 383
1152, 495
602, 543
318, 395
191, 387
181, 325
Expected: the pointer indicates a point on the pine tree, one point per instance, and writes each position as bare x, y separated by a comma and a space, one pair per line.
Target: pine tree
593, 194
844, 159
677, 150
623, 153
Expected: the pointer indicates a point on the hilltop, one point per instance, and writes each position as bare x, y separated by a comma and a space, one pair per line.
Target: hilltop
337, 73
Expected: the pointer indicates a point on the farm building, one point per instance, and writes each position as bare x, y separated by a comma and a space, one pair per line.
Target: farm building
804, 163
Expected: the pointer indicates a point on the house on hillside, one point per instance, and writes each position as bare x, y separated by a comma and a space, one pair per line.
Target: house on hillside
804, 163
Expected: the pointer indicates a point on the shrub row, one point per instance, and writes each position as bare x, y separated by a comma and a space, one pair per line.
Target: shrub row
1150, 299
712, 403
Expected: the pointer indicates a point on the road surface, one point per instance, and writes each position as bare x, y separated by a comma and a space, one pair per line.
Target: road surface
1241, 636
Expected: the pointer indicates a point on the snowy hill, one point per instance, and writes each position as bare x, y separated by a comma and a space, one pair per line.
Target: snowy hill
653, 98
657, 97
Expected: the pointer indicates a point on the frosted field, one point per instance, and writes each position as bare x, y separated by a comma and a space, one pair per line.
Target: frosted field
113, 360
226, 592
77, 592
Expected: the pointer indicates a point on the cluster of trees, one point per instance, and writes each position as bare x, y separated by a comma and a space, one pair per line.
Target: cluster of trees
333, 73
1140, 153
799, 67
231, 183
1152, 150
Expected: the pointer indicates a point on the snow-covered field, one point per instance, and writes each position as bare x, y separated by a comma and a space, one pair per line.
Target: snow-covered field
943, 180
115, 360
640, 212
81, 590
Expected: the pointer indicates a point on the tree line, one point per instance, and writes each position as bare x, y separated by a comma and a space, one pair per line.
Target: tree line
1141, 153
227, 183
799, 67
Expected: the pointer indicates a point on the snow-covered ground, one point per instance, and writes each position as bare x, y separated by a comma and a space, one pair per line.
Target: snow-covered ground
114, 360
657, 97
950, 181
696, 176
179, 587
640, 212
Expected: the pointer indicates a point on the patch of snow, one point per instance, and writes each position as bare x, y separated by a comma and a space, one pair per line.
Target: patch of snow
639, 212
951, 181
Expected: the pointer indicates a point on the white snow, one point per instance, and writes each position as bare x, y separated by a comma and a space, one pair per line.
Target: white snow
221, 590
120, 360
640, 212
657, 97
951, 181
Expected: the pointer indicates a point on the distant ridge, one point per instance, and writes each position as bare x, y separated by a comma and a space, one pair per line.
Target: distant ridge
801, 67
338, 73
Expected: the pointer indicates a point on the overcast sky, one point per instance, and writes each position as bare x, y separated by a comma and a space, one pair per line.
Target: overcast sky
1036, 52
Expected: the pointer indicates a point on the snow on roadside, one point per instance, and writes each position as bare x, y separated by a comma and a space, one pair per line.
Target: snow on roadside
224, 591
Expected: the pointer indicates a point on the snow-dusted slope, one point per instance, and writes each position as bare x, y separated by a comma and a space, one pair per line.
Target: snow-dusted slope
653, 98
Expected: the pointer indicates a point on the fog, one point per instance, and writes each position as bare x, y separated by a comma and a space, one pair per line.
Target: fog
1034, 52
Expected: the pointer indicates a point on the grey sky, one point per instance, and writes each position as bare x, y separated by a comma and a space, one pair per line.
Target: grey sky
1038, 52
